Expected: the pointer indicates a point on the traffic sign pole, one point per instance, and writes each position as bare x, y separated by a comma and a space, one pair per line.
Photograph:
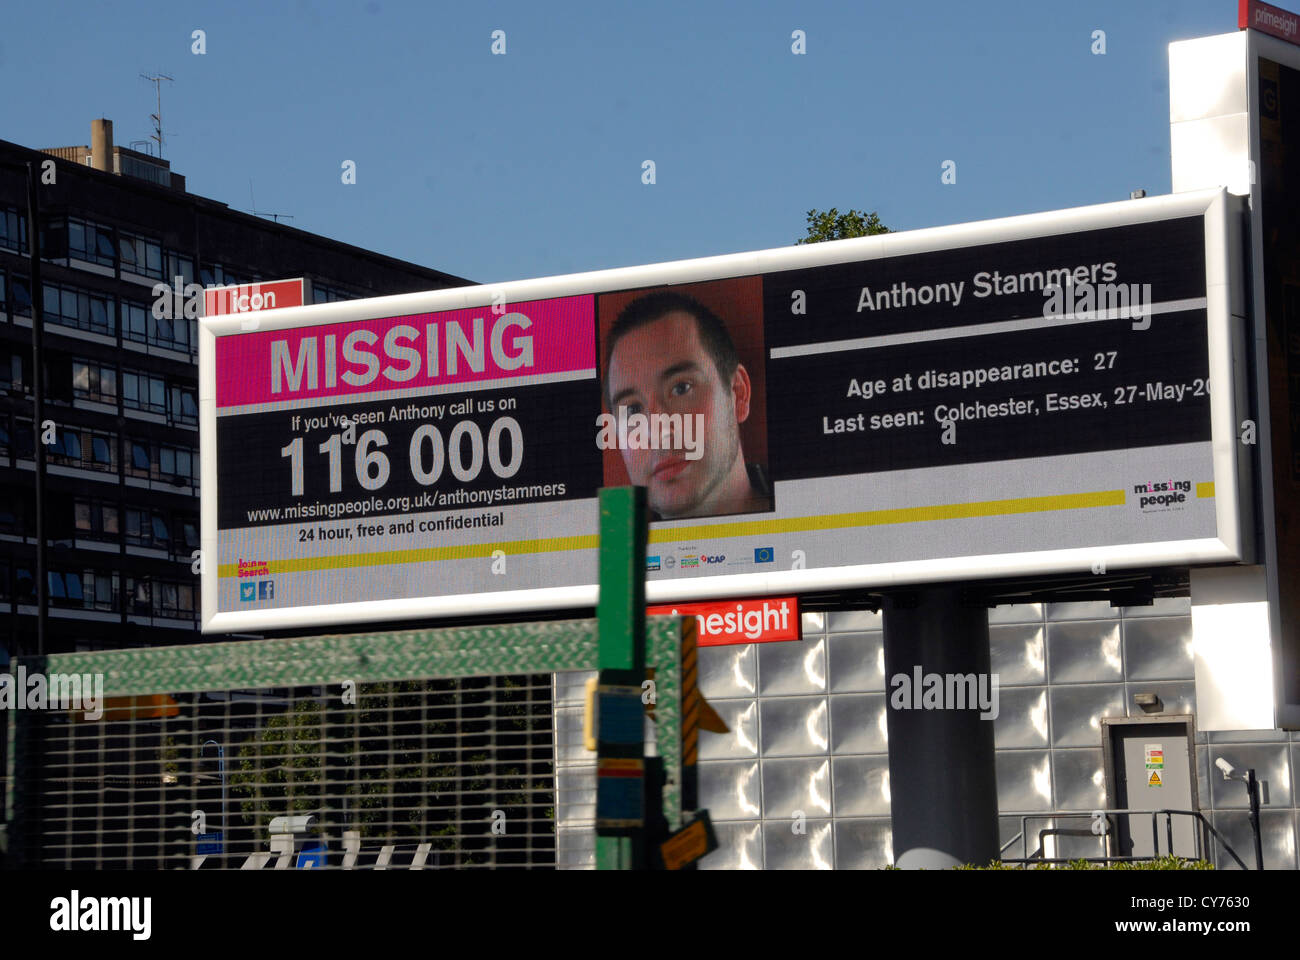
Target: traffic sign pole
620, 611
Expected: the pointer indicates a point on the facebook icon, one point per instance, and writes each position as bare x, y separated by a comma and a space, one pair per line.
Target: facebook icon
266, 589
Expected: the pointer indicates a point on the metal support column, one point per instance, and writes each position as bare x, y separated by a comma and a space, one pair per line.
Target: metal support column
942, 779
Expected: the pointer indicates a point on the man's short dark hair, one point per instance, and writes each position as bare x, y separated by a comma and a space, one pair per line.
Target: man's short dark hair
653, 306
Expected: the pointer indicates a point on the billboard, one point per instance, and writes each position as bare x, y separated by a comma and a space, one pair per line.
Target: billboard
1039, 394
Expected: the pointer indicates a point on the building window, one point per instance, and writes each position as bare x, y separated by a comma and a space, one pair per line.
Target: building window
20, 297
65, 589
140, 255
54, 240
179, 266
182, 404
161, 598
144, 170
94, 381
139, 324
13, 371
171, 464
24, 586
78, 308
175, 463
91, 242
24, 441
323, 294
21, 445
89, 589
213, 275
147, 528
141, 391
176, 600
81, 447
66, 447
101, 590
13, 230
96, 519
17, 513
139, 596
135, 321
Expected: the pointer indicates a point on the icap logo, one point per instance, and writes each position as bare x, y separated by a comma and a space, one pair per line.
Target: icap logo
717, 559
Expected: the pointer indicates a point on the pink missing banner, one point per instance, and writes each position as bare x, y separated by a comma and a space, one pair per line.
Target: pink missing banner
401, 353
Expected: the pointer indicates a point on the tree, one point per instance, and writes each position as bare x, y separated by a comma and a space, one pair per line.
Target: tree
833, 225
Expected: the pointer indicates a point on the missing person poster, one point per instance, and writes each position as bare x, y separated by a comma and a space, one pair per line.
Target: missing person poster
1033, 395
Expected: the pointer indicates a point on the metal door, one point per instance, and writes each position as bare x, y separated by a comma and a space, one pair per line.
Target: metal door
1151, 767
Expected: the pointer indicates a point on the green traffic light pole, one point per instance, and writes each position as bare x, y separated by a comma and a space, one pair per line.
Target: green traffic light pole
620, 612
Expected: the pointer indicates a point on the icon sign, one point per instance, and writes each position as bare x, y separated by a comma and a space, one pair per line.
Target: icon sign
253, 297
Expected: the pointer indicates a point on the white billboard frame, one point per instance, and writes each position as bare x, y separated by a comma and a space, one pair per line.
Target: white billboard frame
1224, 286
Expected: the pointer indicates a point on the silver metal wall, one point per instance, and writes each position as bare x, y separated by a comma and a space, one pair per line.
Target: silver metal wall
808, 736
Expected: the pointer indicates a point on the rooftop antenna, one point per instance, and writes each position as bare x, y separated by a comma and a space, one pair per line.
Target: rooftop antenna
157, 117
274, 216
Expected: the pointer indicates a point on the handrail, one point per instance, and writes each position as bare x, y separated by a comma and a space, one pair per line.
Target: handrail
1091, 814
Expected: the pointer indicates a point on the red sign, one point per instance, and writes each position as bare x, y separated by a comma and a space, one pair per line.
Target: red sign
1266, 18
251, 297
740, 621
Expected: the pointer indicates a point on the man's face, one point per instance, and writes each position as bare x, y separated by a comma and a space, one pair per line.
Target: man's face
662, 367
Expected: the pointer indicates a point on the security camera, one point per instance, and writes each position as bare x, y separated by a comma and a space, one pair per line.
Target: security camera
297, 824
1225, 766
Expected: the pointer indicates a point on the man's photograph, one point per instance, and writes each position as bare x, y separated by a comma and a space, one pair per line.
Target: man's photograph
683, 391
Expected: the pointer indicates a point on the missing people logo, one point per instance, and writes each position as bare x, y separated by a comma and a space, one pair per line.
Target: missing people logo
1159, 496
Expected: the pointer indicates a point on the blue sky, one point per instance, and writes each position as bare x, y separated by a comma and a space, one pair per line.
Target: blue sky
529, 164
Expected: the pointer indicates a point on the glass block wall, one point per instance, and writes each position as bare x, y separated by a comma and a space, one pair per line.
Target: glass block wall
808, 736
